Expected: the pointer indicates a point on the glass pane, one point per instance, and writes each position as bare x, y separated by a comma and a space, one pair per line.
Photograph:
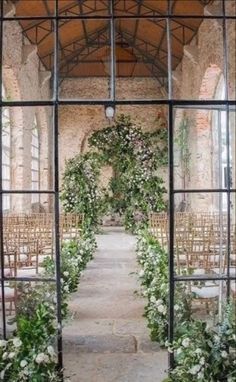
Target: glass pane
30, 60
230, 8
22, 300
200, 234
84, 59
203, 301
29, 237
197, 62
200, 147
144, 8
141, 59
232, 129
84, 8
20, 156
197, 7
30, 8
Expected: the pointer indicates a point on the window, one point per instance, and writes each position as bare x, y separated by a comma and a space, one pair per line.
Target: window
35, 162
6, 154
219, 141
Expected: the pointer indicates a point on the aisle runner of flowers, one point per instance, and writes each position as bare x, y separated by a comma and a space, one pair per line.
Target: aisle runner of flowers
202, 353
29, 355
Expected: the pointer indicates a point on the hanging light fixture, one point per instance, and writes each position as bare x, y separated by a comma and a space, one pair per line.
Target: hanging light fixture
110, 112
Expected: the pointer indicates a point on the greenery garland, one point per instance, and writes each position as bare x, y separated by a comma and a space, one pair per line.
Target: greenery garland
202, 353
135, 188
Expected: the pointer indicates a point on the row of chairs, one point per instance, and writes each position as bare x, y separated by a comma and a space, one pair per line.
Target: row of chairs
200, 248
27, 241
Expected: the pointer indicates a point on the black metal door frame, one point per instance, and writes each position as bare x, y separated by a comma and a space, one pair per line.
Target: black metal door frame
170, 103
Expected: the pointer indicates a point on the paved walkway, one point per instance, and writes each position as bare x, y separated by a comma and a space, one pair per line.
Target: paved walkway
108, 340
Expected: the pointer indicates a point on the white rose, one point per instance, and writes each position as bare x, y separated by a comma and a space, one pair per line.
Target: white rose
66, 274
17, 342
153, 299
176, 308
159, 302
23, 363
5, 355
186, 342
40, 358
195, 369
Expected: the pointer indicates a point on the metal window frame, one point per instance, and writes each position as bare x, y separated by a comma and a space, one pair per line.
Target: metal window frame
171, 104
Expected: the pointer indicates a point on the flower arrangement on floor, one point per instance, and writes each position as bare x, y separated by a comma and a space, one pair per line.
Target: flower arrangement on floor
29, 355
206, 354
153, 260
202, 353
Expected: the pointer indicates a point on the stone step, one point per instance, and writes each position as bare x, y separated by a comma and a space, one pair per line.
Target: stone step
107, 343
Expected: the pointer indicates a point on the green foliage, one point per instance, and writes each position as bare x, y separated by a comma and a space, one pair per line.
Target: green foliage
206, 354
30, 355
135, 188
153, 260
80, 191
202, 353
182, 141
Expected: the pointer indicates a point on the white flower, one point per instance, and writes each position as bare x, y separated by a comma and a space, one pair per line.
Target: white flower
161, 309
153, 299
202, 361
5, 355
224, 354
17, 342
3, 343
179, 351
40, 358
2, 374
186, 342
51, 351
66, 273
66, 288
159, 302
195, 369
23, 363
200, 375
198, 351
176, 308
11, 355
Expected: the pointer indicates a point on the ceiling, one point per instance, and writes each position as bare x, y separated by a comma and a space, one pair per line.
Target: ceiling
84, 45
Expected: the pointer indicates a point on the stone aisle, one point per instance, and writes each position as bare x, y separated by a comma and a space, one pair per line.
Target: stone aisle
108, 340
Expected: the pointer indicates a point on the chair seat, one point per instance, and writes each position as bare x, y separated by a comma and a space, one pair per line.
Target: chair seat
29, 272
8, 292
206, 292
22, 257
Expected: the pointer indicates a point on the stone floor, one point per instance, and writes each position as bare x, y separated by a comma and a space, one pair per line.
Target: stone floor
107, 341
